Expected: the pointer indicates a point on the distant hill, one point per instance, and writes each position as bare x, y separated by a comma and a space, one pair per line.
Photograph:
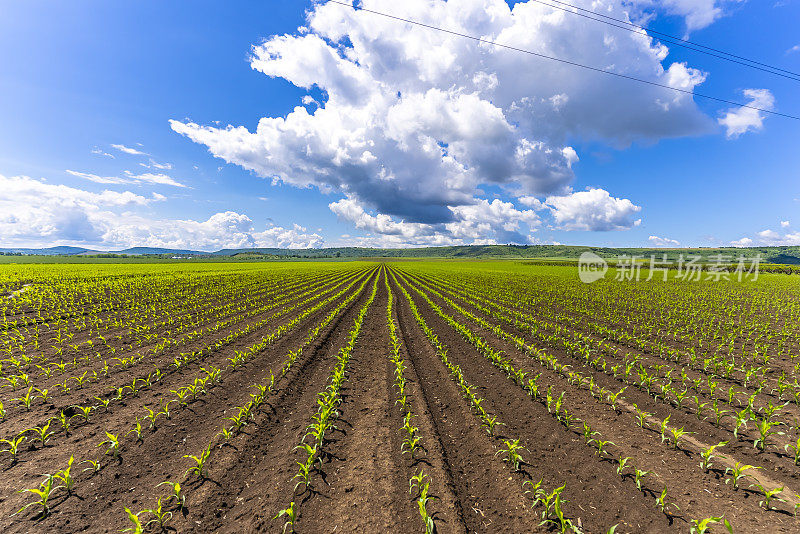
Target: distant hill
788, 255
52, 251
155, 250
783, 255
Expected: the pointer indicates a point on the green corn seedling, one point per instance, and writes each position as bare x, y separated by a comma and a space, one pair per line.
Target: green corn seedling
701, 526
43, 492
765, 431
43, 433
662, 504
13, 445
160, 516
639, 477
113, 443
664, 428
769, 496
490, 422
200, 462
676, 435
94, 466
65, 476
137, 527
622, 463
795, 448
291, 517
177, 493
737, 473
512, 452
708, 454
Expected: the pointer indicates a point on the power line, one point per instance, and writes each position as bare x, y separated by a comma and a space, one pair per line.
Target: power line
684, 43
565, 61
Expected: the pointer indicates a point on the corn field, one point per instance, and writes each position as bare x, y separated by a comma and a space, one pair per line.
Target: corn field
408, 396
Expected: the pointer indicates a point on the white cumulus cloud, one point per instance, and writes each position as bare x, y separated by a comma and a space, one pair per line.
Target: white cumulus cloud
663, 241
697, 14
36, 213
738, 121
743, 242
481, 223
413, 122
594, 209
771, 237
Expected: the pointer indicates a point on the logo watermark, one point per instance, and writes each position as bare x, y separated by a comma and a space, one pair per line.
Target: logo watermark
591, 267
693, 267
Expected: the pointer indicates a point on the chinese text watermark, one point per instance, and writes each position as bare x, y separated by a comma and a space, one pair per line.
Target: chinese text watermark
690, 268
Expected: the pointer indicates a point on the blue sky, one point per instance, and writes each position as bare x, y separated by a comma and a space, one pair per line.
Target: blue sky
78, 78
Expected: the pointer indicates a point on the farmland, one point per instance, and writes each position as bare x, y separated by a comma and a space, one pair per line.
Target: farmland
404, 396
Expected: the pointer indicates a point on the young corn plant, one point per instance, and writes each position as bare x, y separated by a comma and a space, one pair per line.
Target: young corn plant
422, 505
718, 413
42, 433
663, 505
63, 421
94, 466
737, 473
177, 494
291, 517
769, 496
226, 434
676, 434
664, 428
114, 445
84, 412
512, 452
200, 462
536, 487
43, 492
160, 516
13, 445
641, 416
553, 513
639, 476
622, 463
151, 416
707, 455
65, 476
742, 418
600, 446
137, 527
765, 431
491, 422
795, 448
612, 398
701, 526
137, 430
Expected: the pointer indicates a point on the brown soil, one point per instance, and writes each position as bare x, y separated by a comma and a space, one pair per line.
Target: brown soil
362, 483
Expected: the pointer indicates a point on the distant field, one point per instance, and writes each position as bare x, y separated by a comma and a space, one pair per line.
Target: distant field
349, 394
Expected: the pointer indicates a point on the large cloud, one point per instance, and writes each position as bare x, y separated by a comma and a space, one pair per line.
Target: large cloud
482, 222
593, 210
36, 213
413, 122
